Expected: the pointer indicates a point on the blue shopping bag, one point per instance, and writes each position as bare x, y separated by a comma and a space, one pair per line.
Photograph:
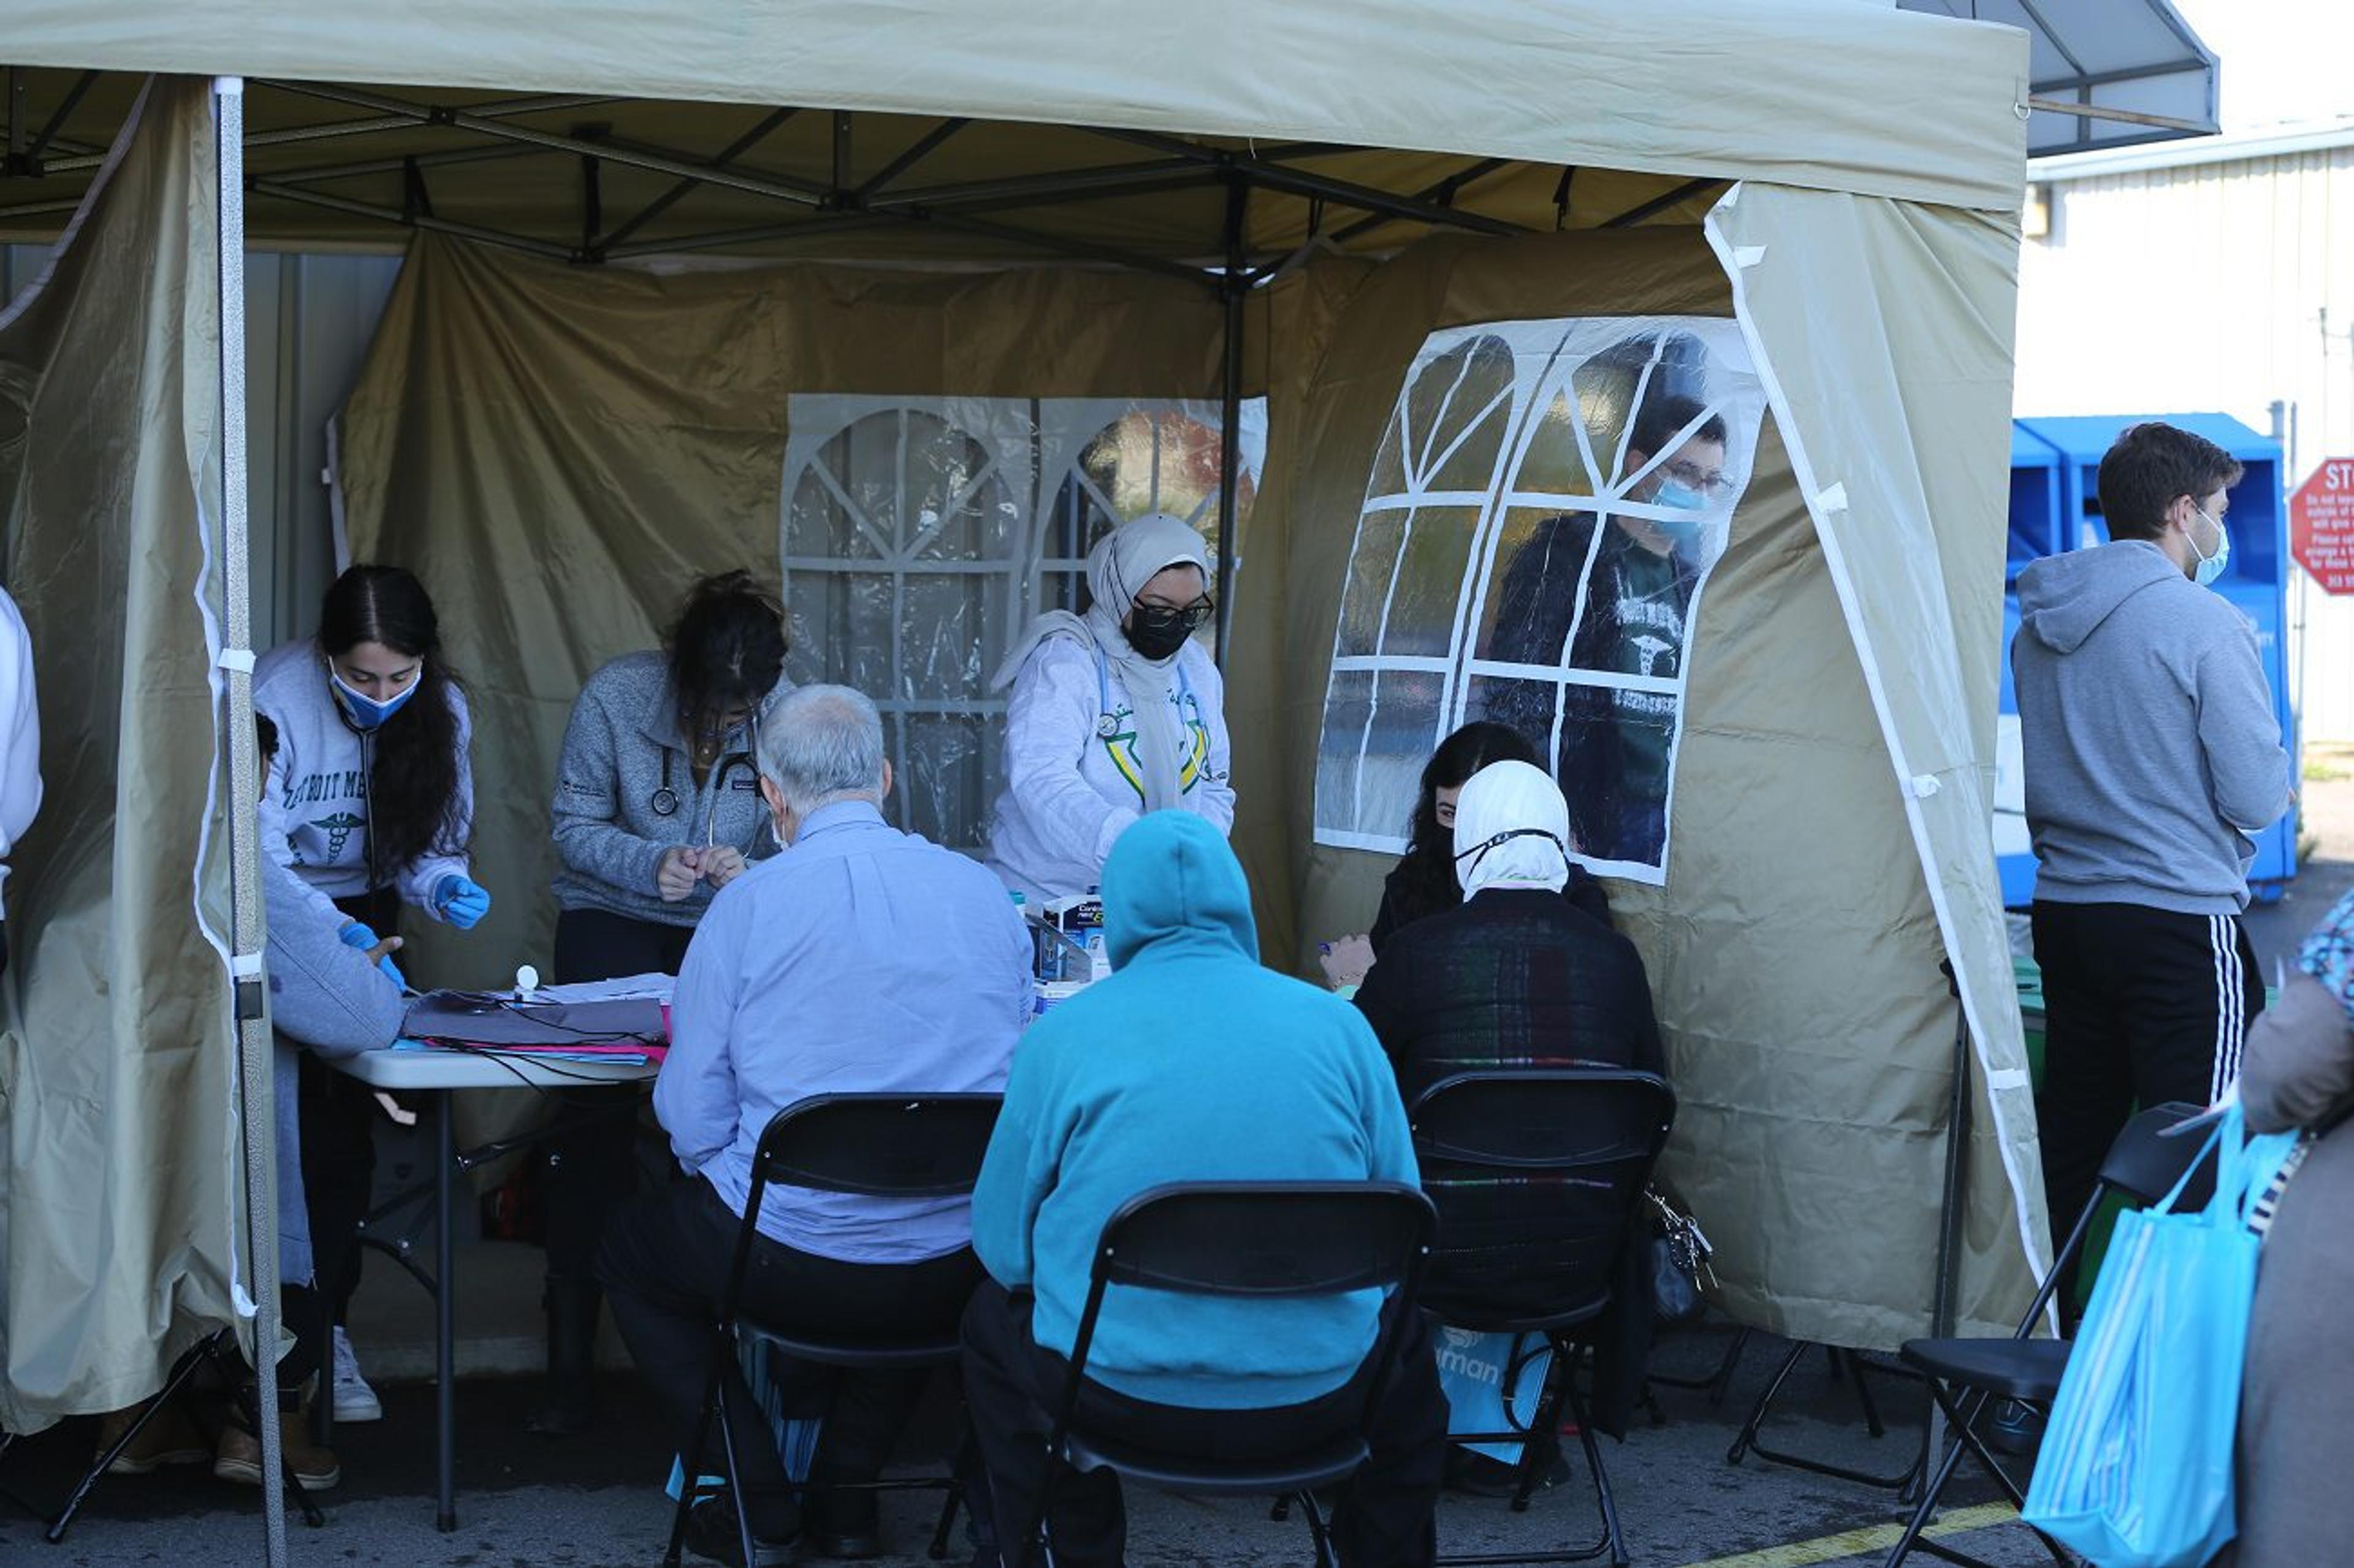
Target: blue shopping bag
2135, 1467
1474, 1367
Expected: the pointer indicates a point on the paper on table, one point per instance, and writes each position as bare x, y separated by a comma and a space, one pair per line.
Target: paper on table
629, 987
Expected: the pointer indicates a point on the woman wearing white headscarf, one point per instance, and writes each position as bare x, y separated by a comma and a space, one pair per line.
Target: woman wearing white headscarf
1516, 976
1115, 713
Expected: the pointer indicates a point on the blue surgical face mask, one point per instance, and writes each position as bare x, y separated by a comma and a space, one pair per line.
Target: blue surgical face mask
2210, 567
1682, 497
366, 712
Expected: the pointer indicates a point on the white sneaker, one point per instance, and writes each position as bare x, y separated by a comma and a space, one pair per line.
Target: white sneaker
355, 1399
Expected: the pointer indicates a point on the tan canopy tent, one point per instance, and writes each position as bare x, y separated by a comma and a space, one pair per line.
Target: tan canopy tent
1312, 201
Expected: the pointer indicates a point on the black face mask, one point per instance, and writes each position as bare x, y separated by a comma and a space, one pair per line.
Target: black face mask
1159, 635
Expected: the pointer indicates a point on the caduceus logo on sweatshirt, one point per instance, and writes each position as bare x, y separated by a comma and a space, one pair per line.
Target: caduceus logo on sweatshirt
1122, 748
339, 829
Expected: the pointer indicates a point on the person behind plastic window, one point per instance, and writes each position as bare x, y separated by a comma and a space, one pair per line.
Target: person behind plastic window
370, 803
1614, 759
657, 807
1114, 714
2152, 758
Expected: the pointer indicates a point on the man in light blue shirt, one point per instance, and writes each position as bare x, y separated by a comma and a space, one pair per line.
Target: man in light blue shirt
861, 958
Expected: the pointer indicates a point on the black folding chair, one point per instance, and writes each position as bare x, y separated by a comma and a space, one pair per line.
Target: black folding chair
1259, 1240
1538, 1174
875, 1145
2143, 1164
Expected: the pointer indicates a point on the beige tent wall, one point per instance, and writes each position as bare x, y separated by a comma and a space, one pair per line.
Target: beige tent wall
559, 452
1905, 418
121, 1175
1794, 951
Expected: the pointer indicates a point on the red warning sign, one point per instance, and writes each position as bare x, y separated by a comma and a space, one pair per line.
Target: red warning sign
2322, 525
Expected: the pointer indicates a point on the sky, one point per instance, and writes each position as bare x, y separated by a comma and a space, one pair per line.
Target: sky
2284, 61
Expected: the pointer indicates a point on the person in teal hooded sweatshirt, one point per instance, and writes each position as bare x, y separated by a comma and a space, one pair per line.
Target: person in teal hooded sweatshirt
1190, 1063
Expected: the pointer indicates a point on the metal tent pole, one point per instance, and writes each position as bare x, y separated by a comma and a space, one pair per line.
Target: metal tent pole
1235, 288
258, 1119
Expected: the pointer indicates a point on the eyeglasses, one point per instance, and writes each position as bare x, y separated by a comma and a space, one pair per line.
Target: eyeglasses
1164, 617
1685, 471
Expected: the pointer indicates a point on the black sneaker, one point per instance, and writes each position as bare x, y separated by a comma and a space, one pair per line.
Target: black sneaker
711, 1535
2014, 1427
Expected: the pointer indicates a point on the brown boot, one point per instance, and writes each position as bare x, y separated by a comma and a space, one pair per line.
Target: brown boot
169, 1438
239, 1456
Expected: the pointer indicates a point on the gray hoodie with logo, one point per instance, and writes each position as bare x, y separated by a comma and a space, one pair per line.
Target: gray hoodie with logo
2151, 751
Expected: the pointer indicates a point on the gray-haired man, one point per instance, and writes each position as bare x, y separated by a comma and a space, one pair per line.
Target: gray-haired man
861, 958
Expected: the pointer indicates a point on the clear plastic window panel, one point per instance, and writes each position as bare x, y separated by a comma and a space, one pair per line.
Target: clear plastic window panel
920, 535
1538, 528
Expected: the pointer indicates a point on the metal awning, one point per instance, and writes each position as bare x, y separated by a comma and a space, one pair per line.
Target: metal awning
2103, 73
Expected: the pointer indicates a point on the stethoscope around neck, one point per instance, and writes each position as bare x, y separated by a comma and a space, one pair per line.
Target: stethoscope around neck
664, 801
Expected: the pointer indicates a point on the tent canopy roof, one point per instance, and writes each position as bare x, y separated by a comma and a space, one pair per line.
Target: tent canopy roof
2133, 68
1397, 94
583, 177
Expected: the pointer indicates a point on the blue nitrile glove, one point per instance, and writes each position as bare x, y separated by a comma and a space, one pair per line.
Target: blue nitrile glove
460, 900
357, 936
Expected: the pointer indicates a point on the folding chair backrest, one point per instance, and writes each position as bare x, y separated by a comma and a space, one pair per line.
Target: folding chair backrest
879, 1145
2144, 1163
1266, 1238
1537, 1173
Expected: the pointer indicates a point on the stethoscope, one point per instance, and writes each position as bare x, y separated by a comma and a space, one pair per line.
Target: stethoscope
664, 801
1108, 727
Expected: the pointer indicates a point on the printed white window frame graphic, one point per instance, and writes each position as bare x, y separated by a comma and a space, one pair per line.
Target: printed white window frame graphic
1509, 438
887, 500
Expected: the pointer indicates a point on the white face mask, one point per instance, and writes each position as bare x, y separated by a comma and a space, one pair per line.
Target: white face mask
2210, 567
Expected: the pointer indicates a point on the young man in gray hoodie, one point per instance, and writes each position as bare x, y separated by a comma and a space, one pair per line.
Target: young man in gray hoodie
2153, 758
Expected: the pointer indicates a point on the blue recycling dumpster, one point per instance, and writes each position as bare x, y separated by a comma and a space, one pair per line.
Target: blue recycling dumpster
2055, 506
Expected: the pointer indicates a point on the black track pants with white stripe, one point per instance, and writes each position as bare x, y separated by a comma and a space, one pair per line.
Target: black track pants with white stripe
2141, 1006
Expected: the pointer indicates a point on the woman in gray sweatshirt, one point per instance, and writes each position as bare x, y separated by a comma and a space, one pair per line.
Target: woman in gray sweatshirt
657, 807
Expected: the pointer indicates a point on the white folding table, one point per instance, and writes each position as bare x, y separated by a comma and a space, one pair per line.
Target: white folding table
443, 1073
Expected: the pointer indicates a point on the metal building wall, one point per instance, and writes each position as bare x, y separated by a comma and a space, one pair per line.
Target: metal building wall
2224, 286
308, 318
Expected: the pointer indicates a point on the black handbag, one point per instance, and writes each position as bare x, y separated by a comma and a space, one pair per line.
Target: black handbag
1678, 1262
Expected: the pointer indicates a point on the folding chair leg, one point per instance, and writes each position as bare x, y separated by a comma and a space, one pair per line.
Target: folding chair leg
1611, 1538
1747, 1437
1927, 1509
1560, 1376
735, 1475
689, 1464
959, 1476
939, 1549
182, 1370
1322, 1537
1851, 1365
